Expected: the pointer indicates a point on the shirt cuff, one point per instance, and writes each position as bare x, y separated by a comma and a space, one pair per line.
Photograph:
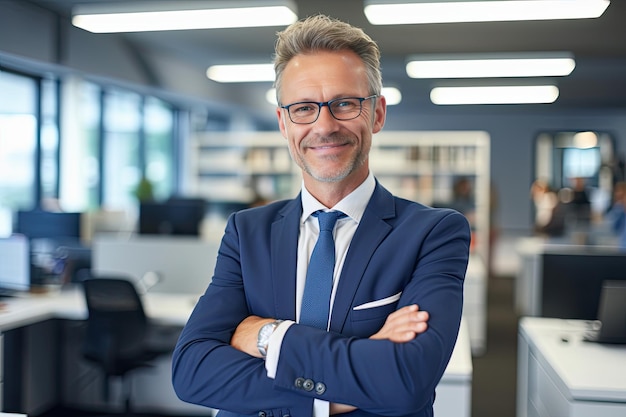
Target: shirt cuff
321, 408
273, 347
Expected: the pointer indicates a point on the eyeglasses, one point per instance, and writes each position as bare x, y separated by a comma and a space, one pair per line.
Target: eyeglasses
307, 112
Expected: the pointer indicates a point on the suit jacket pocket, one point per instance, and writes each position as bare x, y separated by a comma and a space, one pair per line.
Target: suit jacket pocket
376, 309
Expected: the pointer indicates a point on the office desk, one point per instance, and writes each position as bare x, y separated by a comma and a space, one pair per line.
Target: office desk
45, 333
561, 375
454, 392
475, 304
152, 390
69, 304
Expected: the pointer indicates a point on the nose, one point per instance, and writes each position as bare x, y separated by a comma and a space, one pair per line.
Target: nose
326, 120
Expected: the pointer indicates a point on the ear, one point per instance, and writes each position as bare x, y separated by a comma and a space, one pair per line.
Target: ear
380, 113
282, 124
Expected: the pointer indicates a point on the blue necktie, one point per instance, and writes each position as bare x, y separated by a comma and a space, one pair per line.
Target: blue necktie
319, 278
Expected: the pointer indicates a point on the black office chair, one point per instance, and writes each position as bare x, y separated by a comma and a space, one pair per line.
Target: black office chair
119, 337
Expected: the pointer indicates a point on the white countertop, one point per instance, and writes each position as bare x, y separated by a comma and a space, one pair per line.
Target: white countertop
69, 303
460, 367
583, 370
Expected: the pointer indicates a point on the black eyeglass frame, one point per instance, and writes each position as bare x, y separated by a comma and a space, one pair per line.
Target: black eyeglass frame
328, 104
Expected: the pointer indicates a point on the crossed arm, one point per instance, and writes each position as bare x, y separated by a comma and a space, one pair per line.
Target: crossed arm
401, 326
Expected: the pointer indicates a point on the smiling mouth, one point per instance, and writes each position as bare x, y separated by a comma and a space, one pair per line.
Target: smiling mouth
327, 146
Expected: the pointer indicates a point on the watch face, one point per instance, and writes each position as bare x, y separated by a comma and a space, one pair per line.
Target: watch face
264, 337
267, 330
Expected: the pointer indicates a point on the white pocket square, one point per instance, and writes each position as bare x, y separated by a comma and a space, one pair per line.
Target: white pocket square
379, 303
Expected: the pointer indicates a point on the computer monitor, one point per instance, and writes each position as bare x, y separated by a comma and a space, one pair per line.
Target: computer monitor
47, 232
179, 216
572, 282
14, 265
40, 224
611, 324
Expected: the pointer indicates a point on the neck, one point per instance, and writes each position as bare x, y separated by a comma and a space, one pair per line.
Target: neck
331, 193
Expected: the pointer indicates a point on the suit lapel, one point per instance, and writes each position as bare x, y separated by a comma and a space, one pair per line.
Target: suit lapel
371, 231
284, 253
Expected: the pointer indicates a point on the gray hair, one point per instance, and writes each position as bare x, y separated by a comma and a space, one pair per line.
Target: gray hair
323, 33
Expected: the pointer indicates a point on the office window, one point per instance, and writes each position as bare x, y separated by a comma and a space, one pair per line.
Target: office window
110, 139
49, 140
18, 141
583, 163
159, 147
562, 157
93, 150
122, 171
79, 153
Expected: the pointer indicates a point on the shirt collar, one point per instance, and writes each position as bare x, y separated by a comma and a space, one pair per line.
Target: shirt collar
353, 204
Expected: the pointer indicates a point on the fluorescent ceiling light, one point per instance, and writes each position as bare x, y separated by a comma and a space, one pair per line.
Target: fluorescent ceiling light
527, 65
270, 96
181, 15
392, 94
247, 73
397, 12
531, 94
585, 140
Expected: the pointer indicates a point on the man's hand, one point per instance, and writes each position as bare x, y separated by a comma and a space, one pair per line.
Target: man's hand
403, 325
246, 334
340, 408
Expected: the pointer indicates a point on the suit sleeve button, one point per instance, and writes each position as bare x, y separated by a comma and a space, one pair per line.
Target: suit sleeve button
320, 388
262, 414
299, 382
308, 385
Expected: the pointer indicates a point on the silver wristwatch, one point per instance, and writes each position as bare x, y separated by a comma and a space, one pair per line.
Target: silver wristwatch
264, 336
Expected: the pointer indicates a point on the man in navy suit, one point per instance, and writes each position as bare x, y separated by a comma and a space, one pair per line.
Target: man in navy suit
397, 291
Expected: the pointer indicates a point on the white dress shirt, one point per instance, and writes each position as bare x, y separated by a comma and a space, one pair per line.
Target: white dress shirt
353, 205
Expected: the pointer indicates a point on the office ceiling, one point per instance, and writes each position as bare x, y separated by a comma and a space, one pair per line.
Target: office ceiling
598, 45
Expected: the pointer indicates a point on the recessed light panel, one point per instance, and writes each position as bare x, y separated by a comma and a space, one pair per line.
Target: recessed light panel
397, 12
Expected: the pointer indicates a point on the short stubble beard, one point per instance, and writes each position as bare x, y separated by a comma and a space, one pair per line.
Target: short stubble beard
357, 161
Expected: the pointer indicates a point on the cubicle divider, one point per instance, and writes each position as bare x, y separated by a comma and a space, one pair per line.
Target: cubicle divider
572, 282
563, 280
183, 264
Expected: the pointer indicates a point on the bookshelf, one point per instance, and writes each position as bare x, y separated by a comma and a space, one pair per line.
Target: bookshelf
418, 165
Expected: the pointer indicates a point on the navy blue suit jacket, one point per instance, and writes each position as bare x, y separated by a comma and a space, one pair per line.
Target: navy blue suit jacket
400, 247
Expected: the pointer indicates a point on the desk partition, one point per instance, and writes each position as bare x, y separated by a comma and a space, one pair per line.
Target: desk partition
183, 264
572, 282
563, 280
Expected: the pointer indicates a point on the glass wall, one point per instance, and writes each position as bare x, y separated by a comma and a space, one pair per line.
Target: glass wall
80, 148
159, 147
122, 170
18, 144
49, 140
73, 145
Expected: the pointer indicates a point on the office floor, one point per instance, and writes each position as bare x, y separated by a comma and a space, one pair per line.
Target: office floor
494, 376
